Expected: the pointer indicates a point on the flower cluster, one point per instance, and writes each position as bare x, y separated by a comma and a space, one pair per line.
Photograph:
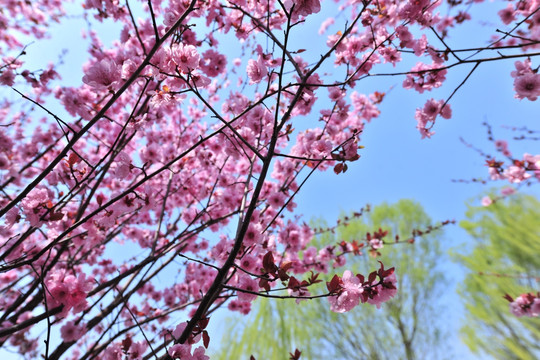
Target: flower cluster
69, 291
526, 81
426, 116
525, 305
349, 290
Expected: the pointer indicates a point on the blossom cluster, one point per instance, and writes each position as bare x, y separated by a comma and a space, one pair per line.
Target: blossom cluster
525, 305
349, 290
526, 81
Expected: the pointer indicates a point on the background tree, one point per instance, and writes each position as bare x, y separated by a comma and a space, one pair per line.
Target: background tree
410, 326
504, 260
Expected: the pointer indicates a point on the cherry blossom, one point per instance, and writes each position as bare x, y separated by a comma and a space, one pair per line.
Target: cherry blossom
103, 74
256, 70
527, 86
525, 305
72, 332
349, 294
486, 201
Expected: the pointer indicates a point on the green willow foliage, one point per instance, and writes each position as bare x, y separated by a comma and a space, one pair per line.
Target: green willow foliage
407, 327
504, 261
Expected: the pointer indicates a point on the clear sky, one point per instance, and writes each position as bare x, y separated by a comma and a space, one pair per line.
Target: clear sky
396, 163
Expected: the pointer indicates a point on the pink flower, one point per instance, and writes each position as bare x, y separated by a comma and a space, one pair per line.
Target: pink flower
376, 243
405, 36
248, 263
527, 86
508, 14
59, 294
137, 350
12, 216
68, 291
113, 352
248, 284
507, 191
424, 77
198, 354
516, 174
502, 146
170, 18
384, 291
7, 77
180, 351
35, 205
525, 305
349, 295
213, 63
303, 7
243, 307
71, 332
486, 201
103, 74
522, 68
123, 165
425, 117
186, 57
179, 329
325, 24
256, 70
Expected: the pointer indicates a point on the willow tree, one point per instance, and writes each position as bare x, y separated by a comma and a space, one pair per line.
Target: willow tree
504, 261
406, 327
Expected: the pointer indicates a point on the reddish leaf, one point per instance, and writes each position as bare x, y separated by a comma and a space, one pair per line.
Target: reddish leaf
293, 283
263, 283
380, 233
378, 97
252, 358
296, 355
73, 159
345, 168
100, 198
313, 279
203, 323
385, 273
372, 276
268, 263
126, 343
206, 339
286, 265
338, 168
283, 275
334, 285
56, 216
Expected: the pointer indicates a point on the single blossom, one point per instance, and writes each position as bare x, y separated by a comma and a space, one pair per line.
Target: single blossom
72, 332
486, 201
527, 86
256, 70
103, 74
303, 7
349, 295
185, 57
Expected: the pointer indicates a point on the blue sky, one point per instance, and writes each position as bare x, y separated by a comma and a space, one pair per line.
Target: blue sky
396, 163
